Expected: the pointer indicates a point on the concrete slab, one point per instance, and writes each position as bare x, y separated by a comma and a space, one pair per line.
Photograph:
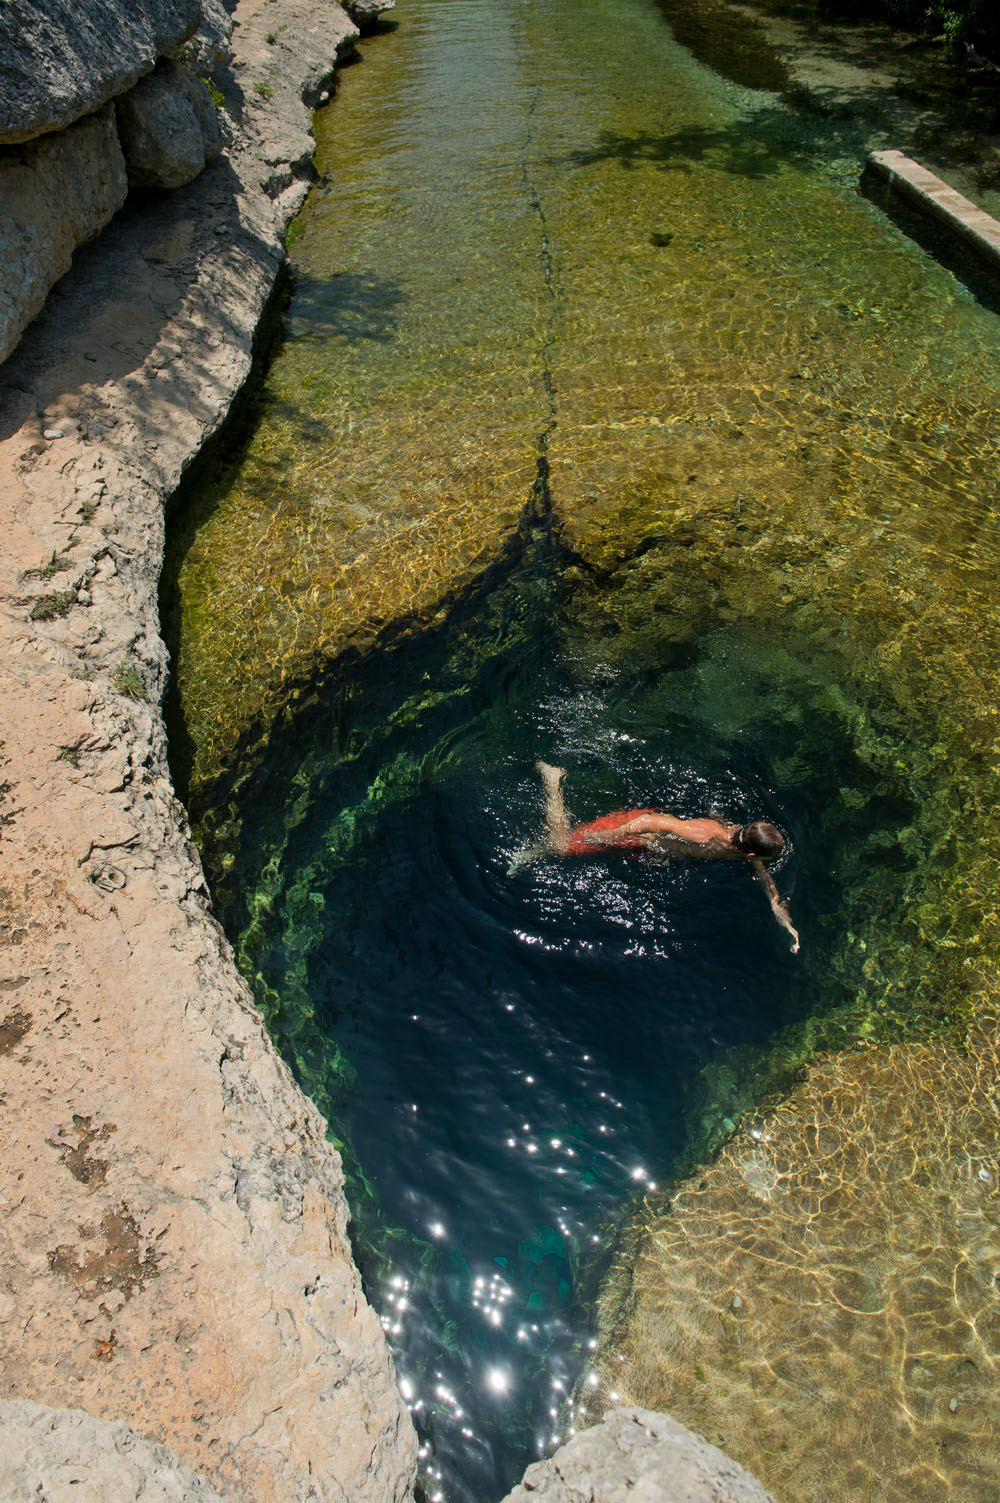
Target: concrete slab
936, 198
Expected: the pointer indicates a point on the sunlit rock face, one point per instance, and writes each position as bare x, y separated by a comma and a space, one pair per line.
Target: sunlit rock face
822, 1301
635, 1454
63, 59
45, 1451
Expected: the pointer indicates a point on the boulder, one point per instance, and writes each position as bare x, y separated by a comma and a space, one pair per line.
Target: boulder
60, 59
56, 193
66, 1456
640, 1455
365, 13
210, 43
168, 127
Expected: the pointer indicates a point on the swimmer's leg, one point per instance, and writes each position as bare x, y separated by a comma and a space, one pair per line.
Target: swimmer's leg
557, 819
557, 822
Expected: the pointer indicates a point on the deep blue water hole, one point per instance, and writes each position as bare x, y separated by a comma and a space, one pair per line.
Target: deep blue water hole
509, 1058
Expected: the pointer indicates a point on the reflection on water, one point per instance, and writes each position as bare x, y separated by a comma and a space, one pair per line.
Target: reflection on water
561, 282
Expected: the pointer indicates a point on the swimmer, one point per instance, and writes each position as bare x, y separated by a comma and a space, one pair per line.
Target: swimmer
648, 829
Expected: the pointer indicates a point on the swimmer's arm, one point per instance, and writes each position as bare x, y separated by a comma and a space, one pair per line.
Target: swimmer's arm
778, 907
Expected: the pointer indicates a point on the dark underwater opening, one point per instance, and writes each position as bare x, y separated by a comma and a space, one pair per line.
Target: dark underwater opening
511, 1054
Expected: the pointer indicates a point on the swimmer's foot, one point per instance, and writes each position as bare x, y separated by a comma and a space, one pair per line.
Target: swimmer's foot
551, 776
557, 820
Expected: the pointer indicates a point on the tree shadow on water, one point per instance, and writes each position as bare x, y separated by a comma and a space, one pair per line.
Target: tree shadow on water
349, 305
756, 147
806, 127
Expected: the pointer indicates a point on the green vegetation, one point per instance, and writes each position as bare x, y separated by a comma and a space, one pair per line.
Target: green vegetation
966, 21
264, 90
49, 607
128, 681
218, 98
57, 564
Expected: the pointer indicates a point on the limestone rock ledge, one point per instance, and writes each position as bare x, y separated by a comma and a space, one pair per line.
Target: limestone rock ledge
60, 59
640, 1455
57, 192
65, 1456
173, 1229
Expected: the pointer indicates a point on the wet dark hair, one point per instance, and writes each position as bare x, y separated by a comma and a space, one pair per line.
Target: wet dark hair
760, 839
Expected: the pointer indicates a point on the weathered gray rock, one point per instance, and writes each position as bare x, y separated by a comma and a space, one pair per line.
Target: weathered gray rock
210, 43
56, 193
60, 59
66, 1456
168, 127
641, 1456
365, 13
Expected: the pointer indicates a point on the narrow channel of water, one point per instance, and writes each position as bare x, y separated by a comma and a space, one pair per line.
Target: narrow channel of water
571, 306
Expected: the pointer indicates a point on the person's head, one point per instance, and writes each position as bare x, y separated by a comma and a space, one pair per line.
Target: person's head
760, 839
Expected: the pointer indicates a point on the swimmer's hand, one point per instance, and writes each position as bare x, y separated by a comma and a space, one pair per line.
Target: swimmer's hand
780, 911
604, 837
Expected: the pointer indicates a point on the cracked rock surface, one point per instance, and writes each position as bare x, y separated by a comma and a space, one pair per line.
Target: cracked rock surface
60, 59
642, 1457
173, 1236
65, 1456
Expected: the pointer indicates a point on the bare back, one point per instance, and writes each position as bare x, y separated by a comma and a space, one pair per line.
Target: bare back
690, 839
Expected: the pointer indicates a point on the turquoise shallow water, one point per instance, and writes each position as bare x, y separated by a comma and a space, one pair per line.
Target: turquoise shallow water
609, 351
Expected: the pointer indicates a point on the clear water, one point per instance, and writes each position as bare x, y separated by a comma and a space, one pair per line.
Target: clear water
509, 1059
607, 350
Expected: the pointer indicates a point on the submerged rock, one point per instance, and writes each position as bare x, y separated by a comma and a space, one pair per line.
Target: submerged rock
840, 1333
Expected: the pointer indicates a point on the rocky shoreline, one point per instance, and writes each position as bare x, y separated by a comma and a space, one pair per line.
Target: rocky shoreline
174, 1243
